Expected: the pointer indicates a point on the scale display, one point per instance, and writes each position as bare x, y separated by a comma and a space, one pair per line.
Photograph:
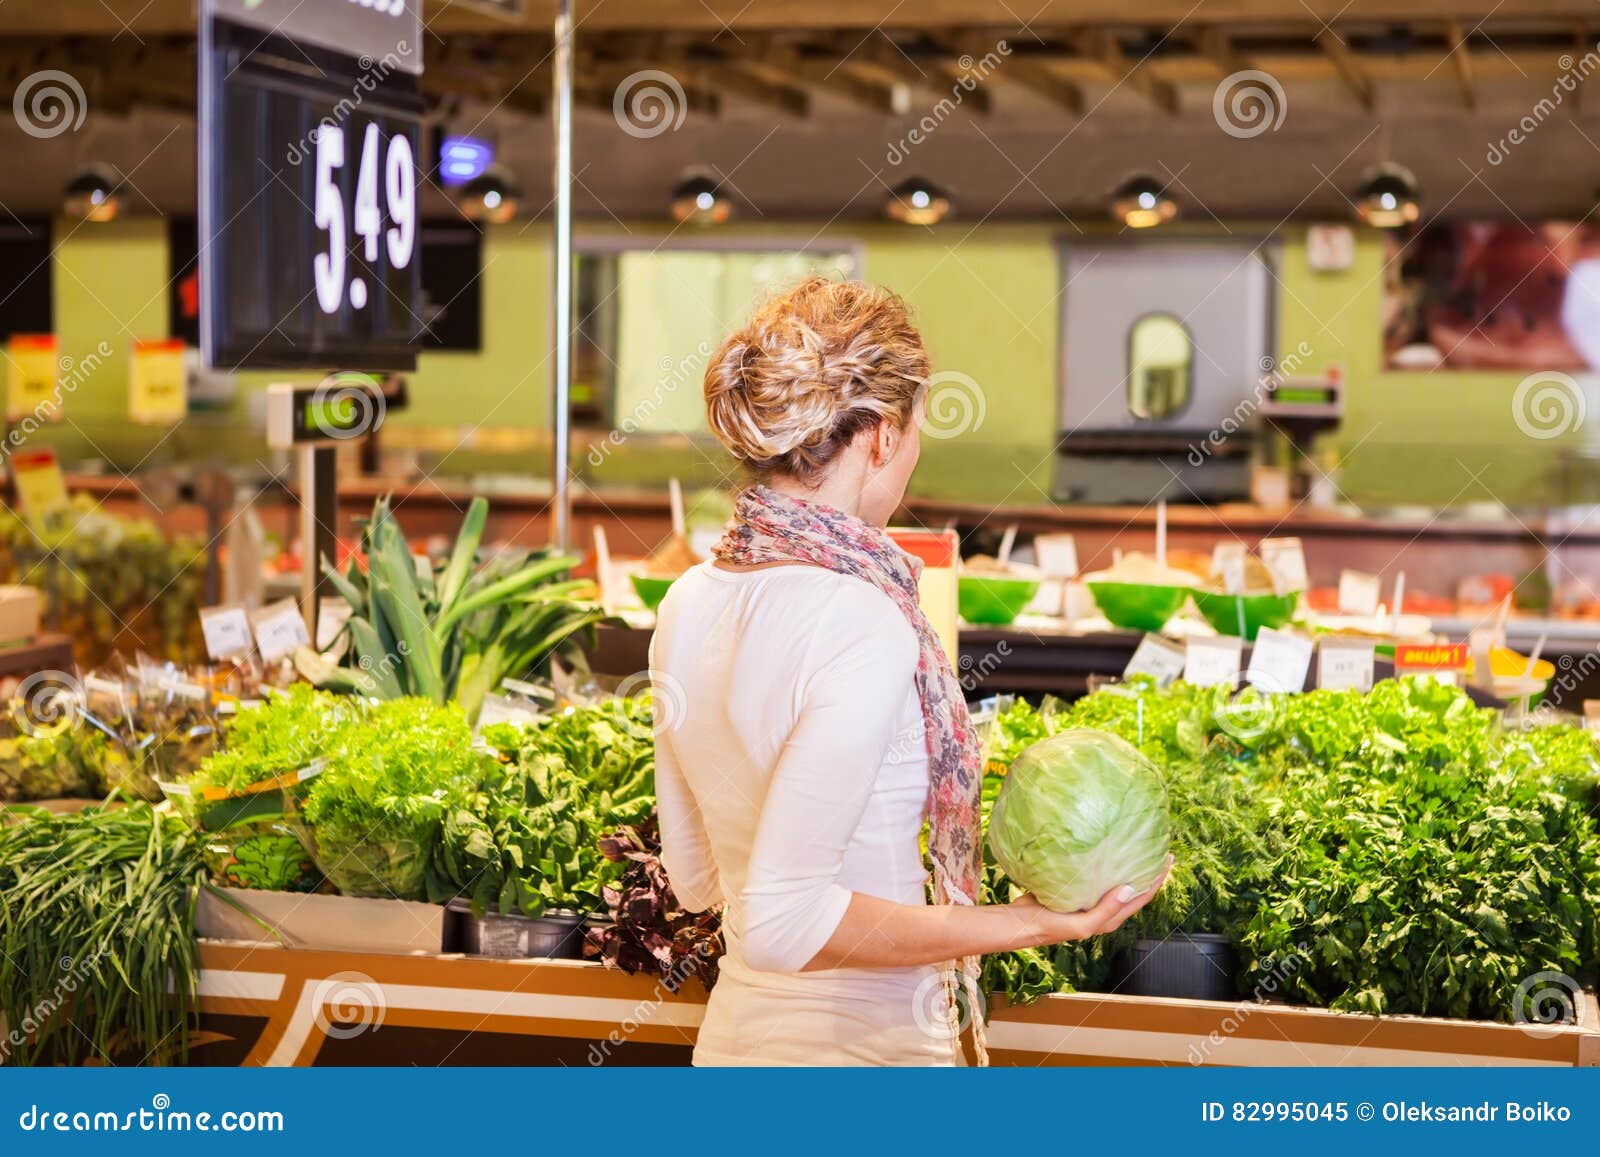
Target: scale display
309, 141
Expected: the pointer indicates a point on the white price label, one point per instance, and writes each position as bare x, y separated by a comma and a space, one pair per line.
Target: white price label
1156, 657
1359, 593
1279, 661
280, 628
1208, 662
1285, 560
1056, 555
1227, 565
226, 631
332, 614
1344, 664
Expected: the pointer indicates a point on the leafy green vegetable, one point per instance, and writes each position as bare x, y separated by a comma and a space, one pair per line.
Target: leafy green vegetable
1079, 814
98, 961
457, 631
1409, 852
527, 839
374, 813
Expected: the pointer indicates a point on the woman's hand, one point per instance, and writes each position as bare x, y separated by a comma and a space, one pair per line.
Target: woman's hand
1109, 913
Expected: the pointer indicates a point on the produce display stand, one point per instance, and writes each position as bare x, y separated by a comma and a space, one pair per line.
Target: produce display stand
265, 1005
1019, 661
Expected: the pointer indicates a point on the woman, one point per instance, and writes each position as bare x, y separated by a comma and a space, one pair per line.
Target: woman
808, 720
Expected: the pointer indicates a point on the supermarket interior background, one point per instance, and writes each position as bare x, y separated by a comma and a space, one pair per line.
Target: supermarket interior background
1266, 349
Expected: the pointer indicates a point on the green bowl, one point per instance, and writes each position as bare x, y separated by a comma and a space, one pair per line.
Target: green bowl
651, 590
1224, 611
1138, 606
993, 600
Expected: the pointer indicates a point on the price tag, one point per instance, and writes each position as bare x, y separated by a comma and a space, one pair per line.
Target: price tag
41, 490
32, 378
1344, 664
1446, 662
279, 628
226, 630
1158, 658
1057, 555
1208, 662
1359, 593
1285, 560
1279, 661
158, 387
332, 614
1227, 565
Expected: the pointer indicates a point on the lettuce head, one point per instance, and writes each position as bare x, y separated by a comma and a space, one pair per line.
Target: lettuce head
1079, 814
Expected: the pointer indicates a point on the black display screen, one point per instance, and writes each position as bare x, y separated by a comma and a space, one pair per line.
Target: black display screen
452, 286
27, 261
310, 236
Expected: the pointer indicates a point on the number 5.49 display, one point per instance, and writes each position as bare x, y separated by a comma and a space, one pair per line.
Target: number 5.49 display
308, 215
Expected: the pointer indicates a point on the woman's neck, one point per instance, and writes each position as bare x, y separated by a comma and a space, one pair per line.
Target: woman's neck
831, 491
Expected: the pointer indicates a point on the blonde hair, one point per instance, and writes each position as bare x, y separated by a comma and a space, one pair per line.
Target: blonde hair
809, 371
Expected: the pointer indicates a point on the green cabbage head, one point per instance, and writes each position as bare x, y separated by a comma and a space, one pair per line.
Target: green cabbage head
1079, 814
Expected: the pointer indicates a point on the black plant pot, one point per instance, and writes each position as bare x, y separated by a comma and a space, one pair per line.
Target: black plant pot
1200, 966
555, 935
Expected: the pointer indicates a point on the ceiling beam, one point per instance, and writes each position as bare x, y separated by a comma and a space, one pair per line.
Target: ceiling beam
160, 17
755, 82
1012, 67
1461, 57
880, 59
1217, 46
1105, 49
1348, 67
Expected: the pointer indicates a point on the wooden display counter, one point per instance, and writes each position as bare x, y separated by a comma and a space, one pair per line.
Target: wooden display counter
263, 1005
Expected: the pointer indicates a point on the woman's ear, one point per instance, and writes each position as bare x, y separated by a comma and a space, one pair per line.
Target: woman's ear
884, 437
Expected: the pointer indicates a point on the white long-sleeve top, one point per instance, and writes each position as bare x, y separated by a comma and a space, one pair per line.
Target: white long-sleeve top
791, 771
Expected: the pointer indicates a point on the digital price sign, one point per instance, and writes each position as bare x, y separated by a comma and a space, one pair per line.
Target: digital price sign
309, 136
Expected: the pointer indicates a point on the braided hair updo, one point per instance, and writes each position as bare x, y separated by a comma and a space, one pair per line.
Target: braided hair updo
809, 371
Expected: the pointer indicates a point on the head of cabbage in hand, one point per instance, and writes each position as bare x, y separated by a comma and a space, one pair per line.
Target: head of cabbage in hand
1079, 814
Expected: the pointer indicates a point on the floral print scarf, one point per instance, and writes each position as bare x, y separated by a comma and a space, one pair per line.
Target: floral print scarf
770, 527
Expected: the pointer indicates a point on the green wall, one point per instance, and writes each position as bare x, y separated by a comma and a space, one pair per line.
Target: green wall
986, 297
1411, 436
